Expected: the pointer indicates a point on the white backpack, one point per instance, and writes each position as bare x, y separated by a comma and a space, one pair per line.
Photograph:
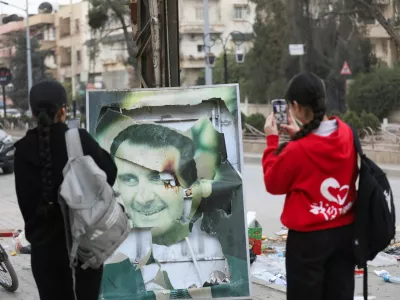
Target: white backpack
95, 223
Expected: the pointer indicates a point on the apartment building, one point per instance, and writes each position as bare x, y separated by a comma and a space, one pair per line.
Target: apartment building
383, 46
42, 27
227, 18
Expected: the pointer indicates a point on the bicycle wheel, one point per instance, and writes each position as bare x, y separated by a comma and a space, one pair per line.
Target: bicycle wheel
8, 278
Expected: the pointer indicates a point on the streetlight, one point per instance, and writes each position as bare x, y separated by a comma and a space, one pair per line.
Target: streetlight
210, 58
28, 43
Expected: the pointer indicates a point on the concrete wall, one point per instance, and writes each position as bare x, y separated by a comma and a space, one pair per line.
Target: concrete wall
249, 108
378, 156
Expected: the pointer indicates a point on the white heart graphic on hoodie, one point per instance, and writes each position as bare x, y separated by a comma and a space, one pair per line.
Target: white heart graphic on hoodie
334, 184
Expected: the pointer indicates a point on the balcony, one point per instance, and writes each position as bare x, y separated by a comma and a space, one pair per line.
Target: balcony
198, 28
40, 20
47, 45
192, 62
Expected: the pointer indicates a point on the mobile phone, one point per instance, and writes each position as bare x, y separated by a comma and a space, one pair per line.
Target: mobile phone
280, 109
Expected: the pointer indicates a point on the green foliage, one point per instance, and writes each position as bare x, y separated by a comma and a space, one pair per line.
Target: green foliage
376, 92
265, 61
256, 120
20, 70
98, 17
351, 118
370, 120
236, 73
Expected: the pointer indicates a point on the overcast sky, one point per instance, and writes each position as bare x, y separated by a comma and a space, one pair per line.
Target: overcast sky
33, 5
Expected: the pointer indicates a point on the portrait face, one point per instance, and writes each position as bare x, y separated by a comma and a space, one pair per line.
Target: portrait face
152, 199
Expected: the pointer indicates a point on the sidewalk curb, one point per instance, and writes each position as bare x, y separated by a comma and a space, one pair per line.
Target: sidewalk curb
256, 159
275, 287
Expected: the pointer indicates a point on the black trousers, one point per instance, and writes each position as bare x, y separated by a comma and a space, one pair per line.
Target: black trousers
53, 276
320, 265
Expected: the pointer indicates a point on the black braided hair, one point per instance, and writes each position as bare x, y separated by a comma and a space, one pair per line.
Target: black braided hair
43, 128
308, 90
46, 99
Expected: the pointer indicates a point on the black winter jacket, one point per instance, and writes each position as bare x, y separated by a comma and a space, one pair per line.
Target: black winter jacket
39, 229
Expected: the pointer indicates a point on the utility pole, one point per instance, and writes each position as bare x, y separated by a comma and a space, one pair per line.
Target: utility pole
28, 52
208, 70
73, 59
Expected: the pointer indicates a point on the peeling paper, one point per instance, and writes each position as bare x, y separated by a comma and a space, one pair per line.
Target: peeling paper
213, 219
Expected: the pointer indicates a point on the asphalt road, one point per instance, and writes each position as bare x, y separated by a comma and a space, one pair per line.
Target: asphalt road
269, 207
268, 210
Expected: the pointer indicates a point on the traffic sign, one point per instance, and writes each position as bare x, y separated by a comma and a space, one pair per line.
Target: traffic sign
345, 69
5, 76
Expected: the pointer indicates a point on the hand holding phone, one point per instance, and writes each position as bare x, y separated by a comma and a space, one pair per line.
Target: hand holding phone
280, 110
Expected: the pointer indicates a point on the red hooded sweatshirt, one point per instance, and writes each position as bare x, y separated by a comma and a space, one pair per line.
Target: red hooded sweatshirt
318, 175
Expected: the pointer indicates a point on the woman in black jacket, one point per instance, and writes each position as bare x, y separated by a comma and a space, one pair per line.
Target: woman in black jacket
39, 161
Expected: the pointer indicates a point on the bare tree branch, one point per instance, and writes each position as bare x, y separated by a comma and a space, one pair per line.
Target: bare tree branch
375, 12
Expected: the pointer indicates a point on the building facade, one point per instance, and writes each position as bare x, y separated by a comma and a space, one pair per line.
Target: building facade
227, 18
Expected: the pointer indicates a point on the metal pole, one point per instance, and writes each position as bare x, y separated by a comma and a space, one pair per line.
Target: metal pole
207, 42
28, 52
72, 29
225, 66
4, 101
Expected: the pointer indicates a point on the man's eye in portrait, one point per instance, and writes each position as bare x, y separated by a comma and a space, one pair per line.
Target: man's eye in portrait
128, 179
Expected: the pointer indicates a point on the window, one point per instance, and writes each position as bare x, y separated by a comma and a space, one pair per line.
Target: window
77, 26
199, 13
78, 56
200, 48
239, 12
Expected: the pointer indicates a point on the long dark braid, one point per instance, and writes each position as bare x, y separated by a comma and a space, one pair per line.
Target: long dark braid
46, 98
308, 90
43, 126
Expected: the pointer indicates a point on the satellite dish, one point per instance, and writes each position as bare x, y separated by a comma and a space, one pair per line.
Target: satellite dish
45, 8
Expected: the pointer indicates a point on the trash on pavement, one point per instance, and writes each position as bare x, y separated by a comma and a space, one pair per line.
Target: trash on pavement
269, 268
21, 244
6, 232
383, 260
387, 277
254, 232
394, 250
283, 232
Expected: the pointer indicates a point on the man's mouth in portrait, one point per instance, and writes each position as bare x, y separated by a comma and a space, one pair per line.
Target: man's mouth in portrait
150, 210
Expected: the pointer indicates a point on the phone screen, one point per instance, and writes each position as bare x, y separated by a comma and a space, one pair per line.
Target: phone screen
280, 108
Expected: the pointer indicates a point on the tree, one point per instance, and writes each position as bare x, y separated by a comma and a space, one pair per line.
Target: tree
265, 61
377, 92
20, 70
236, 72
330, 38
103, 17
370, 120
351, 118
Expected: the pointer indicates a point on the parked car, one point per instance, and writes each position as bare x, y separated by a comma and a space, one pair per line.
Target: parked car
6, 152
11, 112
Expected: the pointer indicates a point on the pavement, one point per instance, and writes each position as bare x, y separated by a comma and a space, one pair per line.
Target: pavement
268, 210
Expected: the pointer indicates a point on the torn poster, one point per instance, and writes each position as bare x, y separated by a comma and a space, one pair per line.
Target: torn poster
179, 160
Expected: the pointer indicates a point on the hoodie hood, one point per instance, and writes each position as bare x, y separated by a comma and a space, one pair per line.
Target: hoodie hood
329, 153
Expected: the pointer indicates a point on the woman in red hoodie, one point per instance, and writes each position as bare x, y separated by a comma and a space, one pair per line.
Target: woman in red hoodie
317, 171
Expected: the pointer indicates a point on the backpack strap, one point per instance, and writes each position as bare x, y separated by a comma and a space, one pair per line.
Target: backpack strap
357, 143
74, 145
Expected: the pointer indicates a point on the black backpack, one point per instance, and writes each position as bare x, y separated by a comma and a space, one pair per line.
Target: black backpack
375, 220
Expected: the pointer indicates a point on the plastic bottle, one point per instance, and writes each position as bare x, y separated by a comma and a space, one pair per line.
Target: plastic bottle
392, 279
